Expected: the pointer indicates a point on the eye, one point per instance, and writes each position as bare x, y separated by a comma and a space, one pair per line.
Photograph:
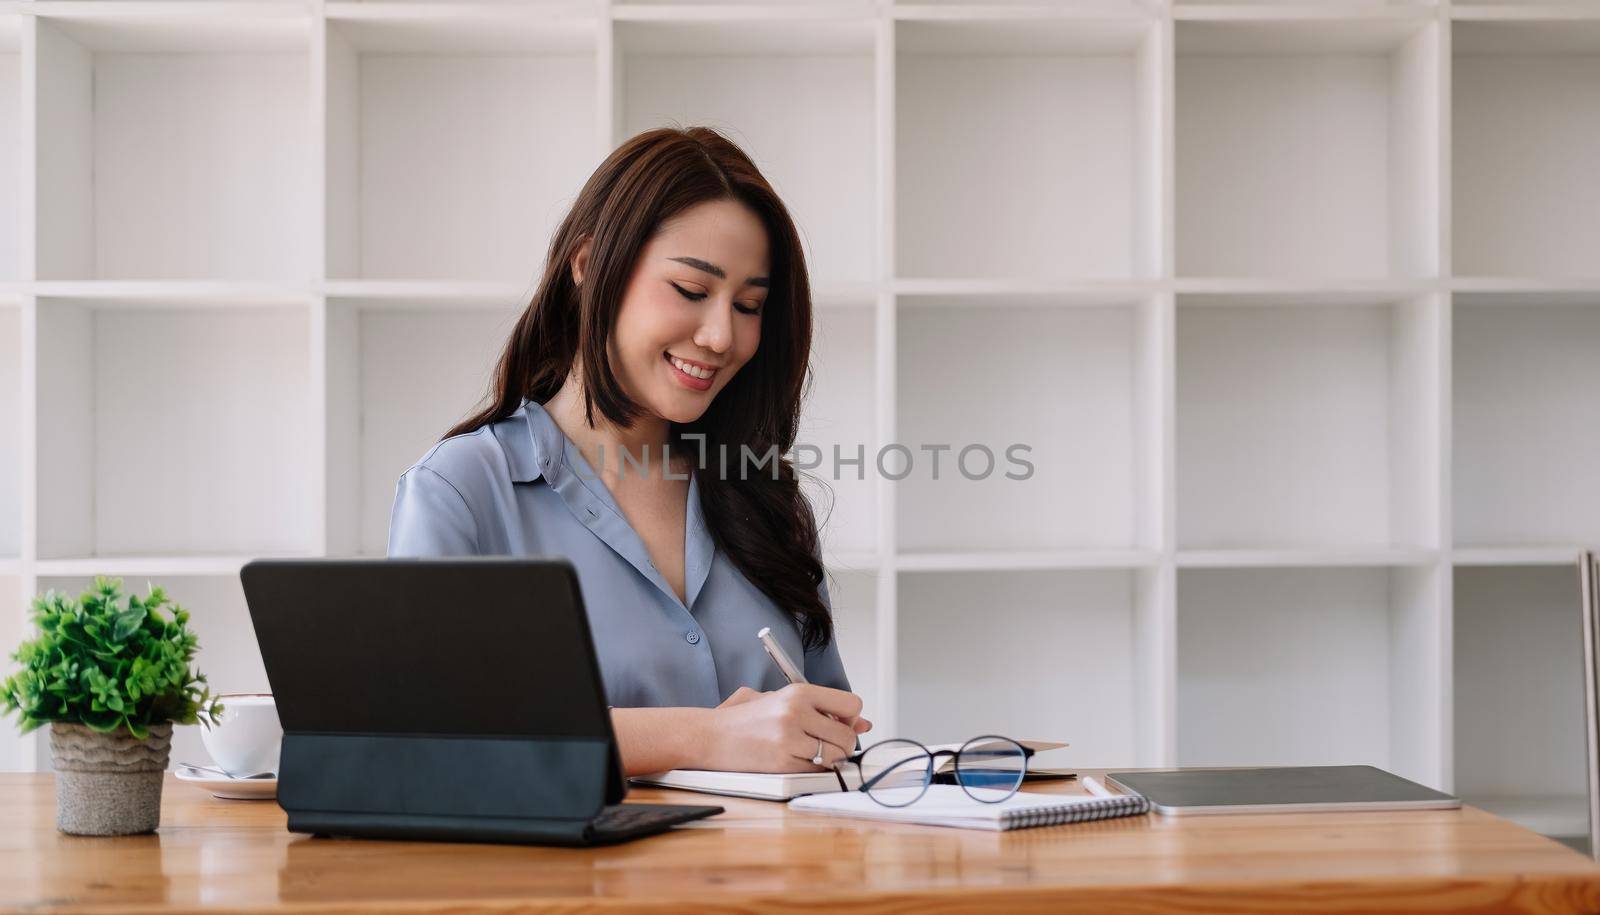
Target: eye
691, 296
751, 309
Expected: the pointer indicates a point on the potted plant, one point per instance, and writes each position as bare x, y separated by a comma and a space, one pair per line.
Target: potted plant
110, 674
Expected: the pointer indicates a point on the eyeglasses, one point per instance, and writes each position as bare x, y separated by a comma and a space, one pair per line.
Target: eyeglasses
897, 772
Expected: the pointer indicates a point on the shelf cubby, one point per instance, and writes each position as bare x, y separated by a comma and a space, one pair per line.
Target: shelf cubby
1307, 426
400, 372
220, 619
1057, 655
406, 199
1310, 667
11, 228
15, 755
727, 74
1526, 423
1307, 147
1056, 116
173, 142
172, 430
1072, 470
1520, 735
1526, 117
837, 417
854, 596
11, 435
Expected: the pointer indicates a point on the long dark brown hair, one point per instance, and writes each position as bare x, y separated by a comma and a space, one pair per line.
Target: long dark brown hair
764, 525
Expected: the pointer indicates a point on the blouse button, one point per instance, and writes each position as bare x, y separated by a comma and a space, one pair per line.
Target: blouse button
692, 637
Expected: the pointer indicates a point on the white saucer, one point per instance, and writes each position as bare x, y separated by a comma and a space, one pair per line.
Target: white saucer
239, 789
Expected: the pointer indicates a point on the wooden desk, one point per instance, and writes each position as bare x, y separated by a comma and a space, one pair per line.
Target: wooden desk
236, 855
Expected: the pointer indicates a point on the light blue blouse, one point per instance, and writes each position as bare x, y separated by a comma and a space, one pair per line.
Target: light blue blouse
520, 487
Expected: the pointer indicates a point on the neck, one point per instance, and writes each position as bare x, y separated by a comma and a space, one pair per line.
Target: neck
604, 443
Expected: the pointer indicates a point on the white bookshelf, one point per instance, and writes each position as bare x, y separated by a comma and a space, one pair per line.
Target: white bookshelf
1070, 108
1541, 347
671, 67
1308, 146
171, 427
1519, 633
1306, 423
11, 230
11, 418
398, 371
1296, 305
402, 202
1088, 443
963, 673
1310, 666
139, 110
1527, 126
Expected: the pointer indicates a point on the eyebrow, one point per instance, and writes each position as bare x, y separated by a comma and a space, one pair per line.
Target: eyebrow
718, 272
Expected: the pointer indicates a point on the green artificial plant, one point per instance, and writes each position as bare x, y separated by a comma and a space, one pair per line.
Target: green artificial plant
109, 661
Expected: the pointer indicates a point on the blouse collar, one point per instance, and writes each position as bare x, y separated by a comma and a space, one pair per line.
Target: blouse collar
536, 447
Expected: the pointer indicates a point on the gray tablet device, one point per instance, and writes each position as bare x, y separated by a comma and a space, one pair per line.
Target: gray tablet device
1285, 789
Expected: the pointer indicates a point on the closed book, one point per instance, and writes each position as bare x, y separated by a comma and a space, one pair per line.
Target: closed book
765, 786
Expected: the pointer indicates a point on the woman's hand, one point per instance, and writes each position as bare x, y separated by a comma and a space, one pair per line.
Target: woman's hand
777, 731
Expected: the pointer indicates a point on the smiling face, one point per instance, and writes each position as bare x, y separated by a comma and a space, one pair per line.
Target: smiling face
691, 316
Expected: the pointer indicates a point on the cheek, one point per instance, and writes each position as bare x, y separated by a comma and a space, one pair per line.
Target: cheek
647, 325
747, 341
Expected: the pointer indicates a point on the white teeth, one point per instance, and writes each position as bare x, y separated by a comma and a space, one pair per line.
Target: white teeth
688, 369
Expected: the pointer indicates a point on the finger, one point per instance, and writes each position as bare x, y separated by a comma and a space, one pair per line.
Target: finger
862, 726
835, 702
833, 732
807, 747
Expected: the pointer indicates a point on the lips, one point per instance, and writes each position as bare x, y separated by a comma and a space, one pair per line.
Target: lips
695, 369
692, 375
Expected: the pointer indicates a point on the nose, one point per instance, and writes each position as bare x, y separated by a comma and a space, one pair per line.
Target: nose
715, 332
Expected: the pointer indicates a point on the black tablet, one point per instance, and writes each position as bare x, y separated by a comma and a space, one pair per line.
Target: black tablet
448, 698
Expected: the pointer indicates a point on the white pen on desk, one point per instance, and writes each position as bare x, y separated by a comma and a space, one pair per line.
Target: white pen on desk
779, 656
1095, 788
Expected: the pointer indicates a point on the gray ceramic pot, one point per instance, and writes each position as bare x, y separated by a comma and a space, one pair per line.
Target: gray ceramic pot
108, 784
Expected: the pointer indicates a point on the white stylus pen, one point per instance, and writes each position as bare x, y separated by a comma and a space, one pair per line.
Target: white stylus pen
776, 652
1095, 788
781, 658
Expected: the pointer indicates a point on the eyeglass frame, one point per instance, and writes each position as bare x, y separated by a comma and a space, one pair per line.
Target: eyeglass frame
933, 773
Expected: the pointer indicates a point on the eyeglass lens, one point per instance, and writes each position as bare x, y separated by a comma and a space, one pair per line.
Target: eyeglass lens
990, 769
896, 772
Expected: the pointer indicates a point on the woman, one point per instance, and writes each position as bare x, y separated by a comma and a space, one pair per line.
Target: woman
672, 326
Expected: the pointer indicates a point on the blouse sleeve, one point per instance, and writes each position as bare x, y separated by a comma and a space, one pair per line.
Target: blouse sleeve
430, 517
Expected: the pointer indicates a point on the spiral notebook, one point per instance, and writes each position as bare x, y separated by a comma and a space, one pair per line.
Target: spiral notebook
948, 805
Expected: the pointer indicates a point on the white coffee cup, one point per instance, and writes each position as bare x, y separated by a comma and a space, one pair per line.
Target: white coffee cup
248, 736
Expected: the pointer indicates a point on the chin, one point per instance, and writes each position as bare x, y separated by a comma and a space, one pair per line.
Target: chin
676, 410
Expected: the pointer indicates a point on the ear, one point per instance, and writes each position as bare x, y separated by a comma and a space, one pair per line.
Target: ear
580, 260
